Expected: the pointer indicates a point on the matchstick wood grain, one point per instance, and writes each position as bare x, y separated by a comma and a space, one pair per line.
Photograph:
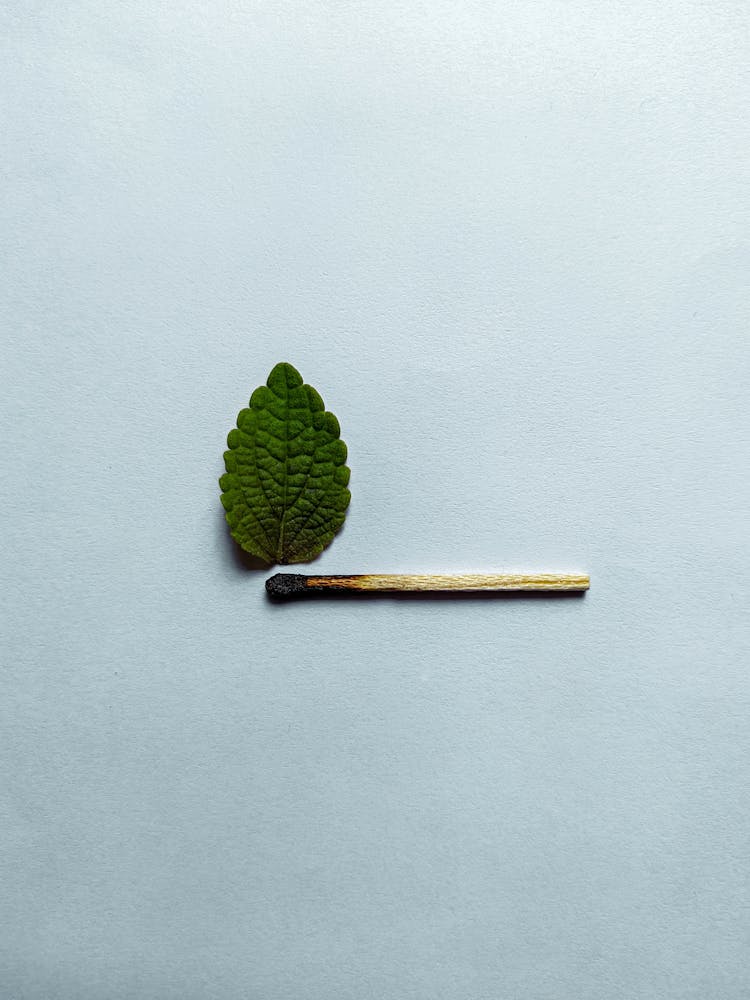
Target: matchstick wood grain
297, 584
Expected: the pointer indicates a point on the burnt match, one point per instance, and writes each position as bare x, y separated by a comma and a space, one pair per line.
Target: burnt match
297, 584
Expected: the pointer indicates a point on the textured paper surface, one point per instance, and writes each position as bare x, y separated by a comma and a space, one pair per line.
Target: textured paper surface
509, 245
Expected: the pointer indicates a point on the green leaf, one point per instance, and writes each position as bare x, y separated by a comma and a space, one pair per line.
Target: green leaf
284, 490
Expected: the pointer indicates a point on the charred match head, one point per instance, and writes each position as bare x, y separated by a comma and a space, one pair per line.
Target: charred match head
286, 585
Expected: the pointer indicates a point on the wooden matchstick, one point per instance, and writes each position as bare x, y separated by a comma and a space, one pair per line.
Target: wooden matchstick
297, 584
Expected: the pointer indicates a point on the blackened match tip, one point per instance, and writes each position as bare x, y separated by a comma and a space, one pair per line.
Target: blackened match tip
286, 585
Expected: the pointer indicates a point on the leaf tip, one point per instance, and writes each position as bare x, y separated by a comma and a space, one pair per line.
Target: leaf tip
283, 377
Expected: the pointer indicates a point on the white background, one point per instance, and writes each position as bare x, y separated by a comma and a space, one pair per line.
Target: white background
508, 243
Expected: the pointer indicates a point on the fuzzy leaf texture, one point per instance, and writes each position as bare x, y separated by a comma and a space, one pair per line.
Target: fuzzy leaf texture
285, 489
